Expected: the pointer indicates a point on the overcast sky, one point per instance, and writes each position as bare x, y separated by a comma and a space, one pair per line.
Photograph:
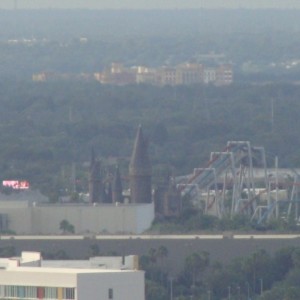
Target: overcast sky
149, 4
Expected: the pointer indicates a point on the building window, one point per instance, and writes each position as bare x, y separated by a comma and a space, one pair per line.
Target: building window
69, 293
32, 292
110, 294
51, 293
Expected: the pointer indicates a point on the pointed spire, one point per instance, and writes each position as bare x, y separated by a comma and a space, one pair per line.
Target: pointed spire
93, 158
140, 171
96, 171
109, 195
139, 158
96, 188
117, 187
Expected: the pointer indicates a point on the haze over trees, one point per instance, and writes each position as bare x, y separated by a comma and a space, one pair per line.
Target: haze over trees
262, 44
46, 128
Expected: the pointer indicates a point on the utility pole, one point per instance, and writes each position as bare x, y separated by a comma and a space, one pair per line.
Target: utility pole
248, 290
73, 177
261, 286
276, 182
229, 292
272, 115
171, 288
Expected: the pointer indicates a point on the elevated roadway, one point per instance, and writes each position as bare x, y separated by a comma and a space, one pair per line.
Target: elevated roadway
221, 247
153, 237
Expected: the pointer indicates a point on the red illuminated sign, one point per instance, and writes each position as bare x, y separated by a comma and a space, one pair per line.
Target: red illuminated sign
16, 184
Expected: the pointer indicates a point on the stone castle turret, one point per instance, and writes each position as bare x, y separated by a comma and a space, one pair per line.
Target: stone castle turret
140, 171
117, 196
96, 188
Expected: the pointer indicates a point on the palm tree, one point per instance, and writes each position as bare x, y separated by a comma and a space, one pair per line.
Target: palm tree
195, 264
153, 255
162, 253
66, 227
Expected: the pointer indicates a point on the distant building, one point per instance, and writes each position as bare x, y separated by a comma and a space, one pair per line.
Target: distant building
145, 75
224, 75
116, 75
209, 75
166, 76
41, 77
27, 278
182, 74
187, 74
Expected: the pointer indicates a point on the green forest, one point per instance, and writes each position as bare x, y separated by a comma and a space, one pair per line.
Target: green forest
47, 127
259, 276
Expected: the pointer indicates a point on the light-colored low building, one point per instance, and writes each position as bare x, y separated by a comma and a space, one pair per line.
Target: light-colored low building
25, 217
129, 262
37, 282
224, 75
209, 75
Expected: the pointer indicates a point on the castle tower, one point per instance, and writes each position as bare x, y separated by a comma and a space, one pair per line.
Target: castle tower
108, 194
117, 187
96, 189
140, 171
93, 158
172, 205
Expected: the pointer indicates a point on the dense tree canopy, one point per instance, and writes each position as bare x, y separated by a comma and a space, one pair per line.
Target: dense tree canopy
45, 127
258, 276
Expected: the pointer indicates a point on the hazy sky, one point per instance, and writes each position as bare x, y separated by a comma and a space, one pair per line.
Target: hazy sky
149, 4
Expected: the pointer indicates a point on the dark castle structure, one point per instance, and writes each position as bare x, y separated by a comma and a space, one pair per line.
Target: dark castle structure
108, 189
117, 189
140, 171
96, 188
167, 200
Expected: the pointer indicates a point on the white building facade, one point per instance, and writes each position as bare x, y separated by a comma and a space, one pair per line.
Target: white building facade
70, 284
57, 283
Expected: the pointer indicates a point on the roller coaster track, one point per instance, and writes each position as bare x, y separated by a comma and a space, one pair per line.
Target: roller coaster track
249, 203
219, 162
234, 158
199, 175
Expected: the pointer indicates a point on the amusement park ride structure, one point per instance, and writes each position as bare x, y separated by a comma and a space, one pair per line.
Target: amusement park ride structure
226, 186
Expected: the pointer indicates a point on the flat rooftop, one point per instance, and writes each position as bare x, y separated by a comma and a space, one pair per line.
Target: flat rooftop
62, 270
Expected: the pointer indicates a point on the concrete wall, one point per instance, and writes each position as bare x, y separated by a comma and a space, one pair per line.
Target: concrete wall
223, 250
132, 218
